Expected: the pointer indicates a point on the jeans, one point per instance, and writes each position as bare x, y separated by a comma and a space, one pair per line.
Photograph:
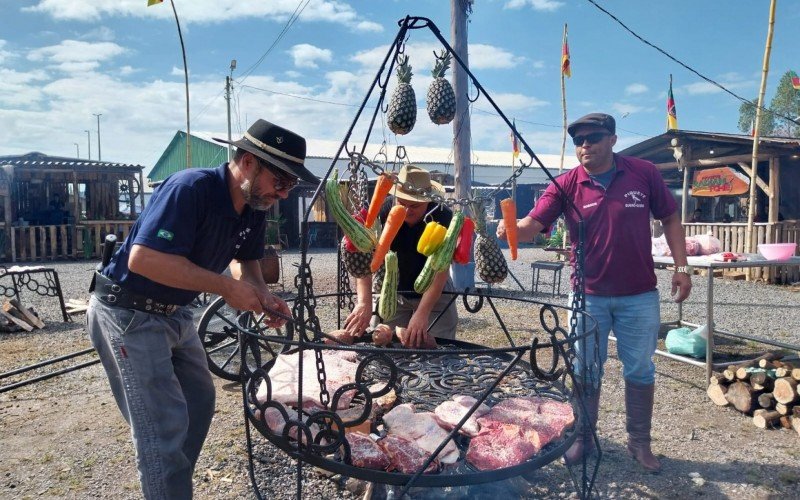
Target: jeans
635, 321
159, 376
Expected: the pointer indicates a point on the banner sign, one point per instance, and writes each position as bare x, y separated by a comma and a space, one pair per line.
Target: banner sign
722, 181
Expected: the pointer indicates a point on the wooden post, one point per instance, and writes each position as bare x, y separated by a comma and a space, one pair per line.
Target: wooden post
461, 122
764, 73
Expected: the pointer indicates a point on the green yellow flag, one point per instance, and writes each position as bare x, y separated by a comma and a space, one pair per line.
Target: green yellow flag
672, 115
153, 2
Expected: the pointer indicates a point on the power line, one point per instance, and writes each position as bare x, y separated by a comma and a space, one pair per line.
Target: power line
292, 19
301, 97
709, 80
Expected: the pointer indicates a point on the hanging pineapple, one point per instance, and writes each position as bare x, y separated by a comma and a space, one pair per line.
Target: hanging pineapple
489, 259
403, 105
356, 263
441, 98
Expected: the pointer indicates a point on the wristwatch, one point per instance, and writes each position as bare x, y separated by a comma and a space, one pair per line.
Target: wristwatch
683, 269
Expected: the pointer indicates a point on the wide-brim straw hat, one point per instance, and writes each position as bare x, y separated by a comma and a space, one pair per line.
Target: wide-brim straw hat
280, 147
419, 181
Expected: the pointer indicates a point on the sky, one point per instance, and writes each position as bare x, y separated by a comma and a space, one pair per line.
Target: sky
63, 61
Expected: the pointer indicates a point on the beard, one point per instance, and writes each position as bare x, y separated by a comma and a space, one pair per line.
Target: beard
254, 198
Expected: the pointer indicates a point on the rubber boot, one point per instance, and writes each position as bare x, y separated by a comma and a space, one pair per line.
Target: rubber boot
576, 452
639, 413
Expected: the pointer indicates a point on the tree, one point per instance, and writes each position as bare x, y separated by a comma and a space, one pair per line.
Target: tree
785, 103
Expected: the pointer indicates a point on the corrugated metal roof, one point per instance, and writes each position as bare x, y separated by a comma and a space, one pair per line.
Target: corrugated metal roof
489, 167
43, 161
205, 153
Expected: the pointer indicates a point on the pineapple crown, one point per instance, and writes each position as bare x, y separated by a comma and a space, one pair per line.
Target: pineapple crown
403, 70
442, 64
479, 213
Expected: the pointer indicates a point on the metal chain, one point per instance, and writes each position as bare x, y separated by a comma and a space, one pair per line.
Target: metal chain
304, 280
357, 159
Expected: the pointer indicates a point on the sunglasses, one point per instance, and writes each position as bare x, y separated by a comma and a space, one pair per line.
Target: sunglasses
592, 138
283, 181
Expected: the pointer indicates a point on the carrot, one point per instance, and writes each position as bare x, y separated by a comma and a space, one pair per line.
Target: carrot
394, 221
382, 187
509, 209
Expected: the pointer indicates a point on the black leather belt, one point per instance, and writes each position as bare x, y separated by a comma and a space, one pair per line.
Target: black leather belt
109, 292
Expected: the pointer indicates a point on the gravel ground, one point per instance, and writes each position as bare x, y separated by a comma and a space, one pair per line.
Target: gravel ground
65, 438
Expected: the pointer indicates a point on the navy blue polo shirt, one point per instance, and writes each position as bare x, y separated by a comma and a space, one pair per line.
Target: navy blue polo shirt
190, 214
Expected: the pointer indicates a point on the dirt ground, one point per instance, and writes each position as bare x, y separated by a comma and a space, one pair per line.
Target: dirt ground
65, 438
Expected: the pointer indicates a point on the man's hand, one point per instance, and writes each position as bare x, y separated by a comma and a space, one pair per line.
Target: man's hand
681, 286
417, 330
358, 319
244, 296
501, 230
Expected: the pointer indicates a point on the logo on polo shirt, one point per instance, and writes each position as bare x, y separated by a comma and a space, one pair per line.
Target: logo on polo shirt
242, 238
167, 235
635, 199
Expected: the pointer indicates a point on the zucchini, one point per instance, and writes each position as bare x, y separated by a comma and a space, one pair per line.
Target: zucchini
363, 239
387, 306
425, 278
444, 255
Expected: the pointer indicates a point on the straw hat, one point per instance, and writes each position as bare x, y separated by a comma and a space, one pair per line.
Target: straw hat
420, 180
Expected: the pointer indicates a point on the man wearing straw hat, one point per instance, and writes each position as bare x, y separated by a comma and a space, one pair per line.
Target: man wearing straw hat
196, 223
414, 311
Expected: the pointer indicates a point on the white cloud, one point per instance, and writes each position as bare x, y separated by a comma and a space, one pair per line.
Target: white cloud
208, 11
74, 55
103, 33
481, 56
622, 108
541, 5
4, 54
307, 56
292, 74
636, 88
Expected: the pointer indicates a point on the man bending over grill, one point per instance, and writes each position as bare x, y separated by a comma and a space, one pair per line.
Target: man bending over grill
196, 223
415, 312
615, 196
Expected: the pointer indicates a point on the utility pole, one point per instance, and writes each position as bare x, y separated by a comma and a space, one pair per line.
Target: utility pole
89, 143
463, 275
228, 98
77, 150
98, 115
461, 123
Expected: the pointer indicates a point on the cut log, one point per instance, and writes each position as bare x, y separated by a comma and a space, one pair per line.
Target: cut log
769, 356
762, 420
796, 423
785, 390
29, 316
796, 374
717, 394
743, 374
742, 397
717, 378
729, 373
766, 400
20, 323
796, 411
783, 409
786, 422
784, 371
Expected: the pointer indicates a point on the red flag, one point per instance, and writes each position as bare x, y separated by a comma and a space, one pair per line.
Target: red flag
796, 82
566, 68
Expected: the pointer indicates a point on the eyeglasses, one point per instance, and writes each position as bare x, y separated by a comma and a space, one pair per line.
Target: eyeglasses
283, 181
592, 138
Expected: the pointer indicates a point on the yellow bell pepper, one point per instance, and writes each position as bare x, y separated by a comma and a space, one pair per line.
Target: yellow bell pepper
431, 239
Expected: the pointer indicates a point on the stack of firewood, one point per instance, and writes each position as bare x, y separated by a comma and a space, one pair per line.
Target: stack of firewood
15, 317
766, 388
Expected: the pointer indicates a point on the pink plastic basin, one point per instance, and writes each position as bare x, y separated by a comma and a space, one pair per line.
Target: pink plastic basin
777, 251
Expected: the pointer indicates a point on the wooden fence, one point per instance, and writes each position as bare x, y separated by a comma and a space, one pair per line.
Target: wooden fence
733, 237
55, 242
